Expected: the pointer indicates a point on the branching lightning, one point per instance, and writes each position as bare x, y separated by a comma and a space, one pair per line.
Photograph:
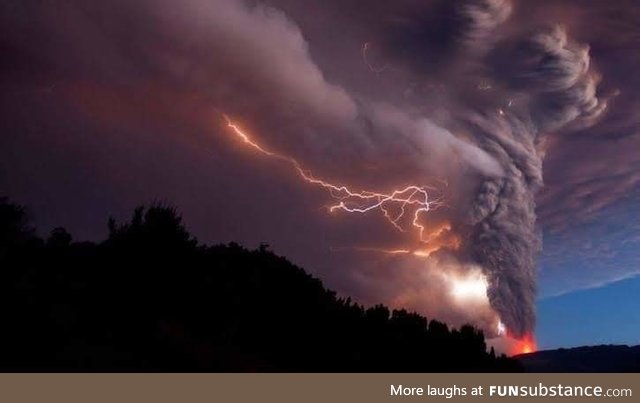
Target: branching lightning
403, 208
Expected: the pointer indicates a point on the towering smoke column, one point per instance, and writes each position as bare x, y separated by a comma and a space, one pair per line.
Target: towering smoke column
548, 84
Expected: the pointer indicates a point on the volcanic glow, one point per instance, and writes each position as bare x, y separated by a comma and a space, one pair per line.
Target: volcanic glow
431, 241
512, 345
525, 345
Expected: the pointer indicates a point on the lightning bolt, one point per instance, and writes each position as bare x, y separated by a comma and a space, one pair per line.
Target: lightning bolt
413, 197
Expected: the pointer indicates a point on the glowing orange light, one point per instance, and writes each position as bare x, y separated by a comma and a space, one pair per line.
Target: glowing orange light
525, 345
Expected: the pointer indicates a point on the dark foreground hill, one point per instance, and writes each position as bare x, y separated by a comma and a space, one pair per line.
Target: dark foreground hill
584, 359
150, 298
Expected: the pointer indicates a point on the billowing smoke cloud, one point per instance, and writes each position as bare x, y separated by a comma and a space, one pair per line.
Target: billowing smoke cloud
253, 62
481, 128
549, 78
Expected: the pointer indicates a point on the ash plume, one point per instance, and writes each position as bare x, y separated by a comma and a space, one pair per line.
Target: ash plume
551, 78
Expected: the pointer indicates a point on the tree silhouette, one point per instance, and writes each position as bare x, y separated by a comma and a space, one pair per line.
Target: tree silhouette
150, 298
59, 238
14, 228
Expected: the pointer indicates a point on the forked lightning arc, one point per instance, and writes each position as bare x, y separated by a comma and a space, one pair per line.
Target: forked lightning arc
414, 198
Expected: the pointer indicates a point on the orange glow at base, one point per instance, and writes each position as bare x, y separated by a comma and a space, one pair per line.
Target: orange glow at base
525, 345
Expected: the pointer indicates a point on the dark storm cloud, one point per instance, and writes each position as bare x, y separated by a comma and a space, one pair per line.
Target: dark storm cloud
551, 80
548, 67
477, 92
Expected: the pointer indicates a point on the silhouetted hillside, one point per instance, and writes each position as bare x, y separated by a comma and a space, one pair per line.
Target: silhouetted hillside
584, 359
150, 298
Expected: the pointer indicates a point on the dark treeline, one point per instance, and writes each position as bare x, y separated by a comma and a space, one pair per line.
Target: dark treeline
150, 298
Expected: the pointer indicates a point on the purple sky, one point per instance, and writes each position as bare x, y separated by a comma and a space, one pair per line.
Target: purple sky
112, 104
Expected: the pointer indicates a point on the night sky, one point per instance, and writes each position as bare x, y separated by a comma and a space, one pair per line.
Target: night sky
520, 118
